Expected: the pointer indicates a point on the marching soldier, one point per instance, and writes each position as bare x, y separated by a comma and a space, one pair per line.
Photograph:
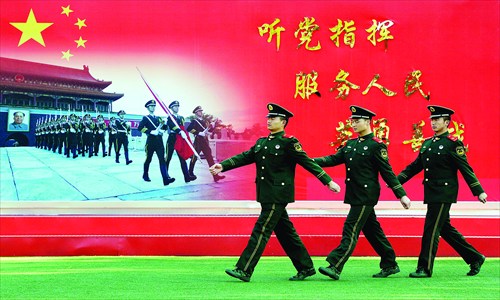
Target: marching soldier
177, 131
71, 130
364, 157
88, 126
112, 135
79, 135
123, 129
441, 156
200, 129
99, 130
154, 127
62, 135
275, 158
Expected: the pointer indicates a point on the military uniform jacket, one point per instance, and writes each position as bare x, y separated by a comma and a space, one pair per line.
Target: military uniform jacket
364, 158
121, 126
275, 158
440, 157
196, 126
150, 123
174, 128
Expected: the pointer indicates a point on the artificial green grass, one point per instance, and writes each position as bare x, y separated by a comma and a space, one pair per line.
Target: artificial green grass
146, 277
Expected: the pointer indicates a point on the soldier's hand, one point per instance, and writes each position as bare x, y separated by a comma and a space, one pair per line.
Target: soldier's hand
153, 132
215, 169
333, 186
405, 201
482, 197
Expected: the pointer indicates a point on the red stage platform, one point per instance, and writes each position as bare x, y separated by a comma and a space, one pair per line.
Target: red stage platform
318, 223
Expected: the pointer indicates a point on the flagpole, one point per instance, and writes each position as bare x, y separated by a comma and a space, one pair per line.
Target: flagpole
165, 108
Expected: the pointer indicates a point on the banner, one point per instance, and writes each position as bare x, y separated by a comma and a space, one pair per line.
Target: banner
315, 58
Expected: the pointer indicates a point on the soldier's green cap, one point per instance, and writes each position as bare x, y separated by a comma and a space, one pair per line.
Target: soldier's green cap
275, 110
440, 111
121, 112
358, 112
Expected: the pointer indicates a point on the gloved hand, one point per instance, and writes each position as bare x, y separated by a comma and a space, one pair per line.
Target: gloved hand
405, 201
202, 133
482, 197
154, 132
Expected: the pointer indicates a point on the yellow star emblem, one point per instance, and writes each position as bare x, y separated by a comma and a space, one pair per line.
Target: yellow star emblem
66, 55
81, 23
80, 42
66, 11
31, 29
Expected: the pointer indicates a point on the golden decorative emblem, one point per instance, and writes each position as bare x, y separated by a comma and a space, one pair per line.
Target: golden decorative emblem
298, 147
353, 109
432, 109
383, 153
460, 150
270, 107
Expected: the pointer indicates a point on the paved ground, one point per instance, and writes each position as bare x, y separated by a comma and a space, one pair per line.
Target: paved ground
36, 181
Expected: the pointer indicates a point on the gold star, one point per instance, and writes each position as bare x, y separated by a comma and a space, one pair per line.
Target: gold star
66, 55
81, 23
66, 11
80, 42
31, 29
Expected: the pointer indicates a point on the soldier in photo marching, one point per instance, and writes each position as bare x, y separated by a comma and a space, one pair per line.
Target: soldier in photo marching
112, 135
275, 157
79, 135
88, 126
441, 157
71, 130
99, 136
364, 157
177, 132
123, 130
62, 135
200, 128
154, 127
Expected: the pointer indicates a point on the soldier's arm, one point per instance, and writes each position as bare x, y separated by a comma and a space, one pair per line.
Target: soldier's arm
298, 155
242, 159
381, 158
331, 160
411, 170
460, 160
142, 127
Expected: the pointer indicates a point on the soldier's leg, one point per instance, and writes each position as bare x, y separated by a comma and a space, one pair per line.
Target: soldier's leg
149, 156
292, 244
457, 241
434, 220
118, 147
184, 169
353, 224
169, 148
377, 239
163, 165
125, 150
268, 218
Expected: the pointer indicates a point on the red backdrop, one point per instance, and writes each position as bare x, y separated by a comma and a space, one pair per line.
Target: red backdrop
211, 53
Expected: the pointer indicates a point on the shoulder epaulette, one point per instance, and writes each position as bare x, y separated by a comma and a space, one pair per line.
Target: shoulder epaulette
286, 136
376, 139
452, 137
354, 138
429, 138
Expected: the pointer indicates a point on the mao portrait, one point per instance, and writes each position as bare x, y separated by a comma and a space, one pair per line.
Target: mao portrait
18, 120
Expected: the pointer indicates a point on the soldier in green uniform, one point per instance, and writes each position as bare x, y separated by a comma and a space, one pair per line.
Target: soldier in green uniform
364, 157
275, 158
441, 156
